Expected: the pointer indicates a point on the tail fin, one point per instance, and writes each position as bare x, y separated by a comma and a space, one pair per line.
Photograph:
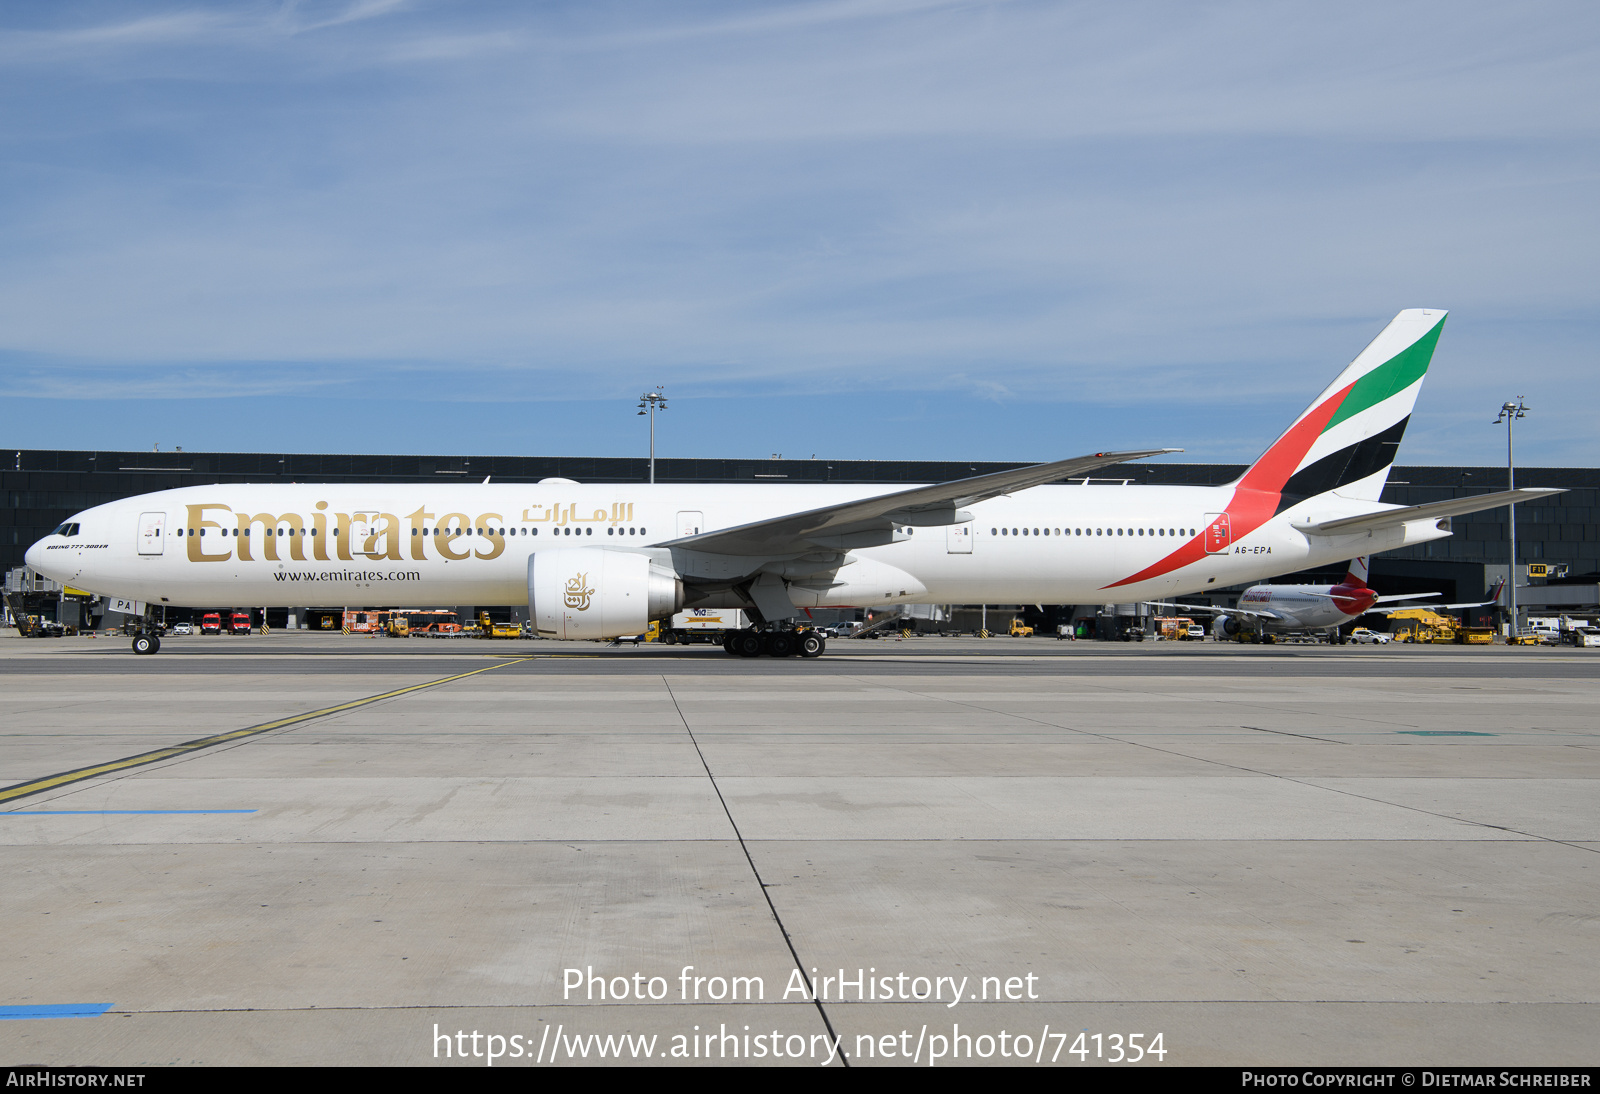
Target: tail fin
1357, 577
1346, 440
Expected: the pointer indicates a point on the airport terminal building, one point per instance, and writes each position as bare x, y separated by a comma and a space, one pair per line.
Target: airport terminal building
43, 487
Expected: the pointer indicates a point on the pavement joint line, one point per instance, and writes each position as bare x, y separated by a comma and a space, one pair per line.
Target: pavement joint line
1302, 736
1576, 844
67, 778
788, 939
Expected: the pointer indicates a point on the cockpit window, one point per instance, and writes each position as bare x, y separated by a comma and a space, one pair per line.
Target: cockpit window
67, 529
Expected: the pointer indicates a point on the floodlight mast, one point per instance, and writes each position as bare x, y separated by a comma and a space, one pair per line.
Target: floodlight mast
649, 403
1509, 413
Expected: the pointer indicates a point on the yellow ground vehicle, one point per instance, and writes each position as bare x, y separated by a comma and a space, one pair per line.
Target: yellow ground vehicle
397, 627
1020, 629
1423, 625
1174, 628
489, 629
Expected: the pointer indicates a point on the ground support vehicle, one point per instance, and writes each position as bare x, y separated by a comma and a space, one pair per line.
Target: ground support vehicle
37, 626
1019, 629
211, 623
1423, 625
1364, 636
1177, 628
240, 623
487, 628
701, 625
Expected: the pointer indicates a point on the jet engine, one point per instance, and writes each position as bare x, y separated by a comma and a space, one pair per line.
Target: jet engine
588, 592
1227, 627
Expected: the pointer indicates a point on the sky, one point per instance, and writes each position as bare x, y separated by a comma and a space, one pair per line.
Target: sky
854, 229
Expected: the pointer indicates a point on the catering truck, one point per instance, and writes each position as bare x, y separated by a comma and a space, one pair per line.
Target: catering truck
702, 625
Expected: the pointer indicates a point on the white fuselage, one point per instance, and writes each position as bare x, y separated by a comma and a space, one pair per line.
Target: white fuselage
1305, 607
375, 545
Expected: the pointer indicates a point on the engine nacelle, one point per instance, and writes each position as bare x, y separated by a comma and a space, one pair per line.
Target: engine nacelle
588, 592
1227, 627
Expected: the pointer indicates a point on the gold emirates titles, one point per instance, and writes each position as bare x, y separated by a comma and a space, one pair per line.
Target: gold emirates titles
381, 535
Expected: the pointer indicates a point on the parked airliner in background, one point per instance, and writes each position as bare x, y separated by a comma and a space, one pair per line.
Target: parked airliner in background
601, 561
1275, 609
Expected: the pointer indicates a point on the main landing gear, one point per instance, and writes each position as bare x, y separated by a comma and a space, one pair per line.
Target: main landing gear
781, 643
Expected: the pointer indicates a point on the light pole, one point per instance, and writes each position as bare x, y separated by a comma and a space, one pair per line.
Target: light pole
649, 403
1509, 413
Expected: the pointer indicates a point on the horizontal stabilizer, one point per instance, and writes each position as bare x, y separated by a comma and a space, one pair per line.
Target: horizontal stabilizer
1435, 510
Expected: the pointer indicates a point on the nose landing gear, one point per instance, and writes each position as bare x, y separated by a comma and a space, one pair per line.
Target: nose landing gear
146, 643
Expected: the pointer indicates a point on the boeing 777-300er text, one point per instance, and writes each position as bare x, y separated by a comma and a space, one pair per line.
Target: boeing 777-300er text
601, 561
1266, 610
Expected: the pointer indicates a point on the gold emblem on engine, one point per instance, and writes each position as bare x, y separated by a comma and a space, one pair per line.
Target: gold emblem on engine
578, 593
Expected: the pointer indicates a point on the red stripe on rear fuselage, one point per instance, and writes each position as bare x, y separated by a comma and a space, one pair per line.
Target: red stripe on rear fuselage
1255, 499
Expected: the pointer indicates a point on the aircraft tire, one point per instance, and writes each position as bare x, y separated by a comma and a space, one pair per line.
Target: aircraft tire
748, 644
144, 643
812, 644
783, 645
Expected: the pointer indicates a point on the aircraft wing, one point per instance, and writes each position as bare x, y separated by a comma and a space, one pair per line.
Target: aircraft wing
1494, 598
1456, 507
1380, 600
1243, 613
921, 506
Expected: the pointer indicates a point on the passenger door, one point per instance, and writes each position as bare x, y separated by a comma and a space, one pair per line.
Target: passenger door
1219, 533
152, 533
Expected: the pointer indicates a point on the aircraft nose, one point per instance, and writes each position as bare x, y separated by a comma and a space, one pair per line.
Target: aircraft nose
35, 555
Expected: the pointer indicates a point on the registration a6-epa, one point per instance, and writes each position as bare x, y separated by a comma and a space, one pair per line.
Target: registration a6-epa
1116, 1041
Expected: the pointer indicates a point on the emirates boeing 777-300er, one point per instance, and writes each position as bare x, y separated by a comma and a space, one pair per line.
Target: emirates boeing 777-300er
601, 561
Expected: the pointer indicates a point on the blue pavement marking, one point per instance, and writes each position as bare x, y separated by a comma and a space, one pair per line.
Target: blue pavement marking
1444, 733
54, 1010
114, 812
